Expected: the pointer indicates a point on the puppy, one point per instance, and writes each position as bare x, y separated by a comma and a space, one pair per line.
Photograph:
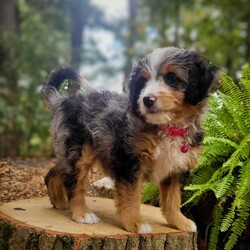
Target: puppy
153, 134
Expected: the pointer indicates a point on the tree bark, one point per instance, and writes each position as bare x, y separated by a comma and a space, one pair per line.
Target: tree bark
31, 224
8, 15
9, 28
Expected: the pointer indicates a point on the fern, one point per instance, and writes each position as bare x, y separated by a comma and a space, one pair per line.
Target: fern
213, 239
224, 142
234, 97
241, 206
150, 194
241, 198
224, 185
224, 165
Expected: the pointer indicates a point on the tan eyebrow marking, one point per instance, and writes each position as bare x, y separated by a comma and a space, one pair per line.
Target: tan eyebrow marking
170, 67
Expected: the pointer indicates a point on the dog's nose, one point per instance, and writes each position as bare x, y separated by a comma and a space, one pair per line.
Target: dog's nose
149, 101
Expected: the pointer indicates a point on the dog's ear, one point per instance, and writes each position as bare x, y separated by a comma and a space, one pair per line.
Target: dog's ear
136, 84
201, 79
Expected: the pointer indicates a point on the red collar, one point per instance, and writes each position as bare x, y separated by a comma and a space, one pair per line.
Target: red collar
172, 131
175, 131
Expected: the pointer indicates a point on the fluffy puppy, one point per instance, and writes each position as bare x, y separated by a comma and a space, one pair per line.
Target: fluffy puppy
154, 134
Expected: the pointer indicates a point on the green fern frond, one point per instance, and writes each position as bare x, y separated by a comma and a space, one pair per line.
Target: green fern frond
201, 176
233, 97
235, 111
211, 140
244, 180
228, 219
221, 127
213, 127
222, 187
240, 199
245, 87
237, 230
245, 83
245, 74
192, 187
214, 153
214, 235
200, 189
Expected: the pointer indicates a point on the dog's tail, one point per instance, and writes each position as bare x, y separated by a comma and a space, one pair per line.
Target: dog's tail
51, 90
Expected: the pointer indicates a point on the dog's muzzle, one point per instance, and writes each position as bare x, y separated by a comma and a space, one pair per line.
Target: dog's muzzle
149, 101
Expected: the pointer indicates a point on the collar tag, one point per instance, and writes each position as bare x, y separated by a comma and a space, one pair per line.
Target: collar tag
172, 131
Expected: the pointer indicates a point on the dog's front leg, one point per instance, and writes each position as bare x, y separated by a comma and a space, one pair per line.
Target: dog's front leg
78, 207
170, 199
128, 201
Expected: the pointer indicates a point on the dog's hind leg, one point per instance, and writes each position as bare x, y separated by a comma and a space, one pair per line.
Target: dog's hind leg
55, 188
78, 207
128, 201
170, 199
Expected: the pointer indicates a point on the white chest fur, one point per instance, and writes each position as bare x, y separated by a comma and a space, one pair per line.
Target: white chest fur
168, 159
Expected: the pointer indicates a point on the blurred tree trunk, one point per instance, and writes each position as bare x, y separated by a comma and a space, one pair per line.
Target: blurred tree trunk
79, 13
9, 89
248, 43
177, 17
229, 54
131, 38
247, 20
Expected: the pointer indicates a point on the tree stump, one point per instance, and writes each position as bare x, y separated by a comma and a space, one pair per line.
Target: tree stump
35, 224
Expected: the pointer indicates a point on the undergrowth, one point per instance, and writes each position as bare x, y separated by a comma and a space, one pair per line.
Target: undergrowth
224, 165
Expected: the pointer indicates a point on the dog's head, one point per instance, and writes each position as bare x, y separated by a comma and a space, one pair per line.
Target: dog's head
170, 83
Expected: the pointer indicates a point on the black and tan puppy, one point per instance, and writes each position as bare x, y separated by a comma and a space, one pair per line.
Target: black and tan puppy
152, 135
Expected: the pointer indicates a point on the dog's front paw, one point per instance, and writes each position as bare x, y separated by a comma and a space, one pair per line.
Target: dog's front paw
88, 218
144, 228
186, 225
179, 221
91, 218
137, 227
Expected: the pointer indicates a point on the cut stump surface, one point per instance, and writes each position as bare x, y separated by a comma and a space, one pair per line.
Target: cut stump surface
35, 224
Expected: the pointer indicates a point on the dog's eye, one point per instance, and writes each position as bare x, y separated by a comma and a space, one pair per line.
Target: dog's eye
172, 80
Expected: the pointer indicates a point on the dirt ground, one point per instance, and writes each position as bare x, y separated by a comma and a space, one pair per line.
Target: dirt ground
24, 178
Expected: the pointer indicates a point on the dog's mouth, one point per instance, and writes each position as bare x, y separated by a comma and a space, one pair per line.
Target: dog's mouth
153, 110
157, 117
154, 113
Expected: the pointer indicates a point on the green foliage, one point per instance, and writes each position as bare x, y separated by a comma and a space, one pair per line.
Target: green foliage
225, 162
217, 214
212, 27
43, 40
39, 46
150, 194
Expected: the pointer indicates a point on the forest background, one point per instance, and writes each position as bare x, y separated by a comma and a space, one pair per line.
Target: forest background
103, 39
39, 36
